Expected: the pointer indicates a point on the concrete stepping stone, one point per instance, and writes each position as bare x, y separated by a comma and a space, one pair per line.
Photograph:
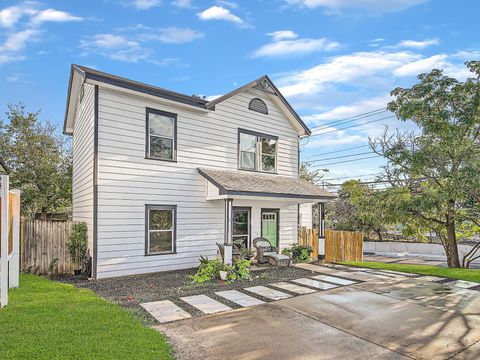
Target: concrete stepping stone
399, 273
293, 288
268, 293
429, 278
463, 284
315, 283
333, 279
206, 304
239, 298
165, 311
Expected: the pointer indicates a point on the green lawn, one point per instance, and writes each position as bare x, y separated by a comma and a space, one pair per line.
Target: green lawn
49, 320
462, 274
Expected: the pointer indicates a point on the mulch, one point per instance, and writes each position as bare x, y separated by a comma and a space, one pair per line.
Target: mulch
131, 291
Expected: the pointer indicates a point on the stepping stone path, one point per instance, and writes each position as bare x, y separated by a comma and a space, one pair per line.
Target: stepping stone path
315, 283
206, 304
293, 288
322, 278
268, 293
462, 284
239, 298
165, 311
333, 279
399, 273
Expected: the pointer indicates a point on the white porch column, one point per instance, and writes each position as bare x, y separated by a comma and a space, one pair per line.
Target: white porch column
228, 242
14, 263
321, 230
4, 242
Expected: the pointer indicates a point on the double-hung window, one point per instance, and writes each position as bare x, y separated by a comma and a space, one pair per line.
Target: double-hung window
161, 135
257, 152
160, 229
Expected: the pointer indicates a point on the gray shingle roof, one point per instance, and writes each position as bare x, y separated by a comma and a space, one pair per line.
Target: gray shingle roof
255, 184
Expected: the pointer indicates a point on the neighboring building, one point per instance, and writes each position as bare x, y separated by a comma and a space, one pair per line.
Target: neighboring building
160, 178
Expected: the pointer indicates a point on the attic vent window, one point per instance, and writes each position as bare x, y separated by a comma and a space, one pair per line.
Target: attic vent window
258, 105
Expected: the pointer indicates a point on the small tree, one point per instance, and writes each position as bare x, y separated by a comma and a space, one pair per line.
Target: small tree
78, 242
435, 171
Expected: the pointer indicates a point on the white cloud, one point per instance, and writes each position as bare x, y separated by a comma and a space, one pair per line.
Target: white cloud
9, 16
344, 69
372, 6
18, 40
417, 44
114, 46
420, 66
285, 42
173, 35
219, 13
52, 15
344, 111
145, 4
283, 35
7, 58
184, 4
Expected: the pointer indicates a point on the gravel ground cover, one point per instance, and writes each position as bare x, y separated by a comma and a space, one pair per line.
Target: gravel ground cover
131, 291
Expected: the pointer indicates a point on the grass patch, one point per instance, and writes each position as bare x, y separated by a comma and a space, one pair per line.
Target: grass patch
460, 274
49, 320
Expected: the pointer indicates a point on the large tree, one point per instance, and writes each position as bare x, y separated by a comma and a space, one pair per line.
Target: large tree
39, 159
434, 172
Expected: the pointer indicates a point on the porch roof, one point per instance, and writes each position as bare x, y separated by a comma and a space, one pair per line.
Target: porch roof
243, 183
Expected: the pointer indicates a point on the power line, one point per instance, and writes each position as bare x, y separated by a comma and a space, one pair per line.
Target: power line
345, 161
356, 117
352, 126
351, 177
337, 151
338, 157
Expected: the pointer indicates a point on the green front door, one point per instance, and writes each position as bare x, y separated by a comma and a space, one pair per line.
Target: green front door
269, 226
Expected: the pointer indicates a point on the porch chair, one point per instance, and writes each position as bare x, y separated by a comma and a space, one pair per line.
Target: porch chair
268, 253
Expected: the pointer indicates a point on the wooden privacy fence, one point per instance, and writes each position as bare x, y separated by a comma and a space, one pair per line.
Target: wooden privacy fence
43, 247
343, 246
309, 237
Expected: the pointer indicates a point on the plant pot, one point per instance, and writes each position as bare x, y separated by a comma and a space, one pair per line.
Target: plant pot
223, 275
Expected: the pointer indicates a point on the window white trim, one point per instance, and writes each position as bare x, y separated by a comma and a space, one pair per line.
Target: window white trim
173, 230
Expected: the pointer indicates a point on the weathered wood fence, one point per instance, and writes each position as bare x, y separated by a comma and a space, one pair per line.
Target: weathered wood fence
43, 247
309, 237
343, 246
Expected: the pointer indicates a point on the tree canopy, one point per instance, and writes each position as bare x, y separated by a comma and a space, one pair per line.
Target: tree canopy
434, 173
39, 159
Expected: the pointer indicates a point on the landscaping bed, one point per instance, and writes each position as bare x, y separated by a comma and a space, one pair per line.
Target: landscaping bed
130, 291
49, 320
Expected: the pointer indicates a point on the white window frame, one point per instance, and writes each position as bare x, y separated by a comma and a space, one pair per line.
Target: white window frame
148, 135
173, 230
258, 151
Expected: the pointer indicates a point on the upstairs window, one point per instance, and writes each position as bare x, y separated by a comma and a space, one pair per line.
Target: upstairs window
161, 135
257, 152
258, 105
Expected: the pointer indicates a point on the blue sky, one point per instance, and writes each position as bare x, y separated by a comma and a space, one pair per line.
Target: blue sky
332, 59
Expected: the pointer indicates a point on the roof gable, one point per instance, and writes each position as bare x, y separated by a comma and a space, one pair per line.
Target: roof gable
268, 87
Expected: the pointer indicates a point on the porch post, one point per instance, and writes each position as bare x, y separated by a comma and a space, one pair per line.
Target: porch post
228, 243
14, 263
4, 242
321, 230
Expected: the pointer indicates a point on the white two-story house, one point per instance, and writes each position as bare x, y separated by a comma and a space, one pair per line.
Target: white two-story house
160, 177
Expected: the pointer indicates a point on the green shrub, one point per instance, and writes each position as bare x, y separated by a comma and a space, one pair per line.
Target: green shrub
78, 242
299, 253
210, 270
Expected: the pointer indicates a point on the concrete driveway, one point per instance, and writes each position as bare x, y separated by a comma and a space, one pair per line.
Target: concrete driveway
384, 318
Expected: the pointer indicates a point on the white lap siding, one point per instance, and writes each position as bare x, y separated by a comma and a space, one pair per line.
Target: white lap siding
127, 181
83, 142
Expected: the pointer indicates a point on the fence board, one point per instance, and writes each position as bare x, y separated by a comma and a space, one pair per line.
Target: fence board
42, 241
343, 246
